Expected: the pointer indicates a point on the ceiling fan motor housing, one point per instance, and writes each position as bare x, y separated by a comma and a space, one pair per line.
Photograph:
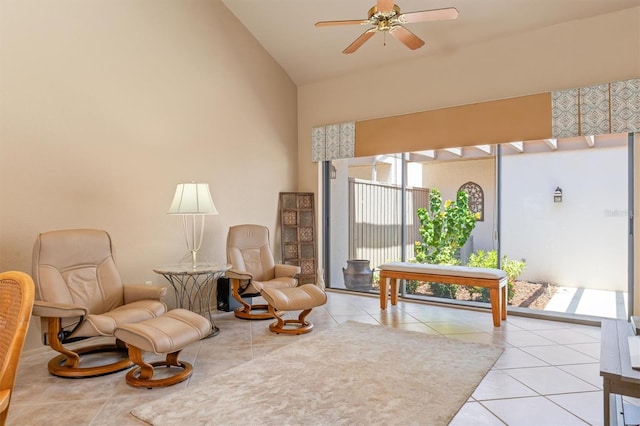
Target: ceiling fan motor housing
383, 20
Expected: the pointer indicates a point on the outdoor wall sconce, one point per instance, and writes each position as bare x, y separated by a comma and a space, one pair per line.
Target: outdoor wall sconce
557, 195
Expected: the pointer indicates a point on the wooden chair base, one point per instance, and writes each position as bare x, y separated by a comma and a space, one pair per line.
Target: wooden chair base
62, 366
142, 376
254, 312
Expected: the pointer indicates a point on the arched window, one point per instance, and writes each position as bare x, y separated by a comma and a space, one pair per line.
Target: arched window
476, 198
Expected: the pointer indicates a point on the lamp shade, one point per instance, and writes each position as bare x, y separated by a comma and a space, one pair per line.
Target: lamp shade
192, 198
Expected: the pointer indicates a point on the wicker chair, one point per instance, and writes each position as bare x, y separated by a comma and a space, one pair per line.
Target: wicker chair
16, 302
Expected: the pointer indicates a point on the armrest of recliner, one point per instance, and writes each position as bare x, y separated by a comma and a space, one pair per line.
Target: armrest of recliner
58, 310
239, 275
287, 270
135, 292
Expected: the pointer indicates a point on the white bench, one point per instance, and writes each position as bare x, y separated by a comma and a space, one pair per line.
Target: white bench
493, 279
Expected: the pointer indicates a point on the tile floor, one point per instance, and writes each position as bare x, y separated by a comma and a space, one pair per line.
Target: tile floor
547, 375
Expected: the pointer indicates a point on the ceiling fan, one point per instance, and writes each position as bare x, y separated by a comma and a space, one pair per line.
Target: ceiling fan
386, 16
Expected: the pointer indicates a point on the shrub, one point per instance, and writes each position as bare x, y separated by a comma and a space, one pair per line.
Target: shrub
482, 259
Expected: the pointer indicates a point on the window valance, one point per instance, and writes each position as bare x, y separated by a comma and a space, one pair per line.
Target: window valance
600, 109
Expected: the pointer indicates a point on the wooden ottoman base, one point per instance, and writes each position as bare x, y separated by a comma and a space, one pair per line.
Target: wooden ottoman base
142, 376
166, 334
305, 298
290, 326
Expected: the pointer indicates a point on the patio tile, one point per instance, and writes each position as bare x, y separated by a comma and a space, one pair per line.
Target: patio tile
532, 411
365, 318
536, 324
394, 317
565, 336
591, 349
586, 405
523, 338
498, 385
559, 355
434, 314
517, 358
485, 338
550, 380
589, 330
451, 327
473, 413
590, 373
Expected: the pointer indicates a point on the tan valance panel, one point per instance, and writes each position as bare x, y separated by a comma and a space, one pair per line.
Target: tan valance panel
506, 120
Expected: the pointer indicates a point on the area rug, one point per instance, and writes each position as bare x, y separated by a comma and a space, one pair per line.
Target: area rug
354, 374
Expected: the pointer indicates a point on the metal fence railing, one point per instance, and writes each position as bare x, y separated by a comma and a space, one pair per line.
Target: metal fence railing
375, 226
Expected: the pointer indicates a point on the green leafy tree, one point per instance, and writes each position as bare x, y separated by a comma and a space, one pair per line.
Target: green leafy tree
444, 228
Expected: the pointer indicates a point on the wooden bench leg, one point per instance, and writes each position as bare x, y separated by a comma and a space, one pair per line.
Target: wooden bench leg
392, 284
394, 291
496, 302
383, 293
505, 297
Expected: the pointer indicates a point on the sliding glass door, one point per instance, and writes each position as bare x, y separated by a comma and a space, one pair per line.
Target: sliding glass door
554, 214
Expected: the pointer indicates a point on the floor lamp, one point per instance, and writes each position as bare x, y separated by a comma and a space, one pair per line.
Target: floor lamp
193, 201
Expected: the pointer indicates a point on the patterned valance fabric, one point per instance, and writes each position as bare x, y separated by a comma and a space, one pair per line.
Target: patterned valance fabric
596, 110
333, 141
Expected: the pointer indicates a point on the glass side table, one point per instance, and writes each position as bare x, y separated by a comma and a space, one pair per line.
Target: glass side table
193, 287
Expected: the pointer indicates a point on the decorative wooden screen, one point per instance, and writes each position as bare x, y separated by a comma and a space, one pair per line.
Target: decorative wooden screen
476, 198
297, 216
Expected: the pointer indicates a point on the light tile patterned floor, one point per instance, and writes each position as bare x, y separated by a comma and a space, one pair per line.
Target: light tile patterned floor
548, 374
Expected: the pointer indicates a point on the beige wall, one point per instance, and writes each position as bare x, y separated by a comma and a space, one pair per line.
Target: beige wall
106, 105
573, 54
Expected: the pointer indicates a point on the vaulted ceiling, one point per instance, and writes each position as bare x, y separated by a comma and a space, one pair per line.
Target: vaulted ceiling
285, 28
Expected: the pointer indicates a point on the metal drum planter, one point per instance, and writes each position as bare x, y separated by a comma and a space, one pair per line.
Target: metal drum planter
358, 275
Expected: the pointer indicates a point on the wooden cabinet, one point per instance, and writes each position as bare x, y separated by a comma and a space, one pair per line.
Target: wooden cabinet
297, 218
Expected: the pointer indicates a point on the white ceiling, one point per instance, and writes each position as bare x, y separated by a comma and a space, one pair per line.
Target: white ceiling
285, 28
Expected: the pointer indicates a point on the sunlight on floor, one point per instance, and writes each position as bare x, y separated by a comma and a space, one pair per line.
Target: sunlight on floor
601, 303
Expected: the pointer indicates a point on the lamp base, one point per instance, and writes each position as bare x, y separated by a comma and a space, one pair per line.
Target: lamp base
192, 260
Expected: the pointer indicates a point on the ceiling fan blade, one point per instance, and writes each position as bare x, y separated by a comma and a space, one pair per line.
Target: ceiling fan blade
409, 39
385, 6
428, 15
359, 41
345, 22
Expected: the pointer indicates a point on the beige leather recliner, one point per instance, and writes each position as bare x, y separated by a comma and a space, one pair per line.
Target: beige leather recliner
253, 267
79, 294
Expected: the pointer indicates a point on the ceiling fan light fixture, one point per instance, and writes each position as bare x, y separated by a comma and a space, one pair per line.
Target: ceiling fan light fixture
385, 16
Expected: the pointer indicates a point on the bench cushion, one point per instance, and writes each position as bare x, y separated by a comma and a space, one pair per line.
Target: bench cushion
455, 270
